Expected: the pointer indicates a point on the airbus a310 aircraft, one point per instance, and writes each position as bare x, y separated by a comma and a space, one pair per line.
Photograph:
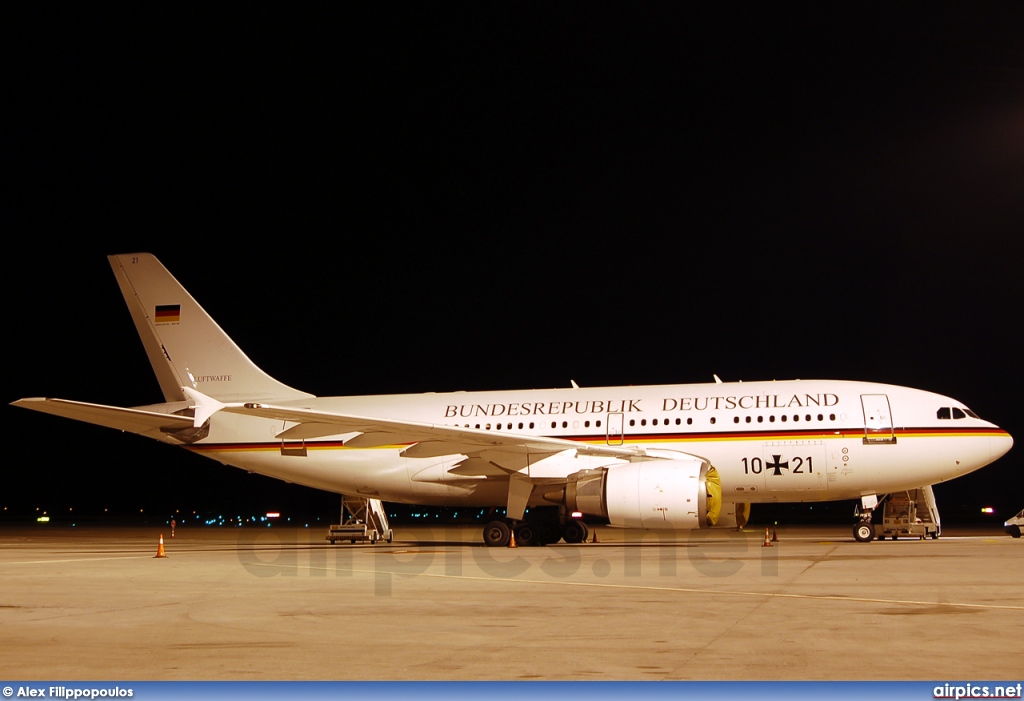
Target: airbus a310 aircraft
654, 457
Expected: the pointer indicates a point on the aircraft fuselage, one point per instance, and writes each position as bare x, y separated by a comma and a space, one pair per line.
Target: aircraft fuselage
801, 440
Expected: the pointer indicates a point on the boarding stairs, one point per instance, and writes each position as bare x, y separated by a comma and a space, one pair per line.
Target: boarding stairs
910, 514
362, 519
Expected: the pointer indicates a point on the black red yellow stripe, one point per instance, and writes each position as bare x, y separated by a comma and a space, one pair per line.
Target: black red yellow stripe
646, 438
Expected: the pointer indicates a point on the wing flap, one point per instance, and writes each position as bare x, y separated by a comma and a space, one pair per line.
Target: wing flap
428, 449
477, 467
308, 430
377, 439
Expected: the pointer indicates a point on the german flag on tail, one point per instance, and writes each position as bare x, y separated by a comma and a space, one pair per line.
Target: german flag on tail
168, 313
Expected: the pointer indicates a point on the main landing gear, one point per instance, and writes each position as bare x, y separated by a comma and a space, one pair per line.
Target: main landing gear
498, 534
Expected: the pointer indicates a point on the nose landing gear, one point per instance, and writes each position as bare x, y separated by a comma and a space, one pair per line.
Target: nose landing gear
864, 531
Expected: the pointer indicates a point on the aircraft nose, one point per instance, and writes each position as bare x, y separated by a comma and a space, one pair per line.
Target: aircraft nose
1000, 445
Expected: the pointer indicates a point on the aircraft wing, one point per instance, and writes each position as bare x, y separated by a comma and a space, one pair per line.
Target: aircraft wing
131, 420
425, 440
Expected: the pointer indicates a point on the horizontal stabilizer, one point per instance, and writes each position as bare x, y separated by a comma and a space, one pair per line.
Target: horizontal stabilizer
131, 420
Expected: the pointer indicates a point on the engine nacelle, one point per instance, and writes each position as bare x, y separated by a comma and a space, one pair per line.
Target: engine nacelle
734, 515
652, 494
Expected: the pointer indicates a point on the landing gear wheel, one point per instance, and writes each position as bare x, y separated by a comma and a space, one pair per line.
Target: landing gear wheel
527, 535
497, 534
574, 531
864, 532
550, 533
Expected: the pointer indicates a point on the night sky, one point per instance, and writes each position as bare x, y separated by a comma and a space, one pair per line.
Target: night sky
382, 198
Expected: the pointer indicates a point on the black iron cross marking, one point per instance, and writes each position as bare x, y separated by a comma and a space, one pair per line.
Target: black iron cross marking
777, 466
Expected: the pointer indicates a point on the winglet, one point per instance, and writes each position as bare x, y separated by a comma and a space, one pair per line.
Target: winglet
205, 407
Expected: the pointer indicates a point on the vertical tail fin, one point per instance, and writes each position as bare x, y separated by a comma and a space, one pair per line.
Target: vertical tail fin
185, 345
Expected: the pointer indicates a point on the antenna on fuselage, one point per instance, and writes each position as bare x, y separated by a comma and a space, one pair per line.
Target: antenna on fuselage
718, 380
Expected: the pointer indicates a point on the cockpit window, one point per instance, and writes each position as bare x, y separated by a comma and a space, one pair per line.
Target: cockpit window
954, 413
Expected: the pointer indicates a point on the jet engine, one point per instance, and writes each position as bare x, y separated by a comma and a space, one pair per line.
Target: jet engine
652, 494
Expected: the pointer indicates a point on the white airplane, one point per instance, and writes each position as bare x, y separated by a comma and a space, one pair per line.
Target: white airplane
654, 457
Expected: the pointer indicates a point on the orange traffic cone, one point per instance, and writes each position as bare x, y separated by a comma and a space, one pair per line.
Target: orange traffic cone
512, 539
767, 540
775, 534
160, 548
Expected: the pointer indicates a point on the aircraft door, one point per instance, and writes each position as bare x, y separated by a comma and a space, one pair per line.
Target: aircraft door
877, 419
615, 435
